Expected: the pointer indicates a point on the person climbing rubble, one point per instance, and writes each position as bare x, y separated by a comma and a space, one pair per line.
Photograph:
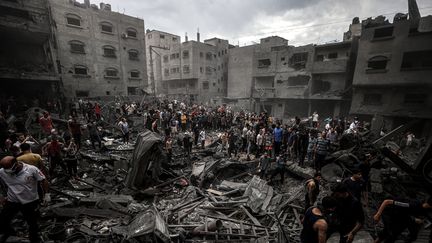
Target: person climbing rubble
312, 187
349, 213
399, 215
315, 225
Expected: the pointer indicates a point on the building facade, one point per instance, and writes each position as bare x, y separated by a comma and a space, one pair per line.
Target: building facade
193, 71
281, 77
392, 80
156, 43
100, 52
332, 75
27, 54
288, 81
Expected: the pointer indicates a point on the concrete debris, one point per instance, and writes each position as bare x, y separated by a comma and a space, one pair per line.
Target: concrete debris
140, 191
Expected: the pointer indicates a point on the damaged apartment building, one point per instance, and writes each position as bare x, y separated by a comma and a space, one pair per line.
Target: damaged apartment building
100, 52
392, 80
288, 81
27, 55
191, 71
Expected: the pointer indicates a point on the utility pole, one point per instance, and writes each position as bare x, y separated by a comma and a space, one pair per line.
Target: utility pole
152, 78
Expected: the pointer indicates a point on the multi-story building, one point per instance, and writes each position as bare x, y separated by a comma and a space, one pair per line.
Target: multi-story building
288, 81
192, 70
270, 76
281, 76
27, 55
156, 41
392, 80
332, 74
100, 52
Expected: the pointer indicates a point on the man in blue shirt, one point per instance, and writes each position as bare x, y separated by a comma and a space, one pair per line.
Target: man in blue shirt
277, 139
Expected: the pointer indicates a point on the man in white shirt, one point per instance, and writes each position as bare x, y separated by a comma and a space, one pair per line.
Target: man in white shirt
23, 139
202, 138
124, 127
22, 195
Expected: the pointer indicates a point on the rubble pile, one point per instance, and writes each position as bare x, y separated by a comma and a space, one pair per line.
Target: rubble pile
130, 192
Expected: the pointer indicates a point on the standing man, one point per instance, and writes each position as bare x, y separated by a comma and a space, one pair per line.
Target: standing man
22, 195
264, 164
94, 134
183, 120
355, 184
124, 127
187, 145
75, 130
244, 137
97, 111
321, 150
259, 143
314, 223
54, 151
277, 139
202, 138
46, 123
232, 144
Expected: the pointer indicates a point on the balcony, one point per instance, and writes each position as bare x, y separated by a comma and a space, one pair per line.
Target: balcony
264, 93
330, 66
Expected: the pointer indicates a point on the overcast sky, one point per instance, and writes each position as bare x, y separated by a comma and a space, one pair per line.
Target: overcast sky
246, 21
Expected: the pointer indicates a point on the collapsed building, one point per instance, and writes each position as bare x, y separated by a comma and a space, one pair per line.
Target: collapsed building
392, 73
27, 51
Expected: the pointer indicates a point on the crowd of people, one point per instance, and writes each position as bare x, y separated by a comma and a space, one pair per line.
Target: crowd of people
253, 135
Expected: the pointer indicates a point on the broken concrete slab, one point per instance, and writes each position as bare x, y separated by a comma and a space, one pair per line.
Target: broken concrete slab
259, 194
231, 185
146, 224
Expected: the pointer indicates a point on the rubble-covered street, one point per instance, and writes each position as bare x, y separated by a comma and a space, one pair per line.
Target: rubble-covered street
138, 191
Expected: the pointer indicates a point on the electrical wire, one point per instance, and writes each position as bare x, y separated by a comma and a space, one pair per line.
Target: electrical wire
295, 27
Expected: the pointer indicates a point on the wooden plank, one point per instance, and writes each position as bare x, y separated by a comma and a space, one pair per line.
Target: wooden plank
215, 192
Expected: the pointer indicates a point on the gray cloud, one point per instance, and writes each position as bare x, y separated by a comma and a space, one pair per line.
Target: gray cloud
299, 21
